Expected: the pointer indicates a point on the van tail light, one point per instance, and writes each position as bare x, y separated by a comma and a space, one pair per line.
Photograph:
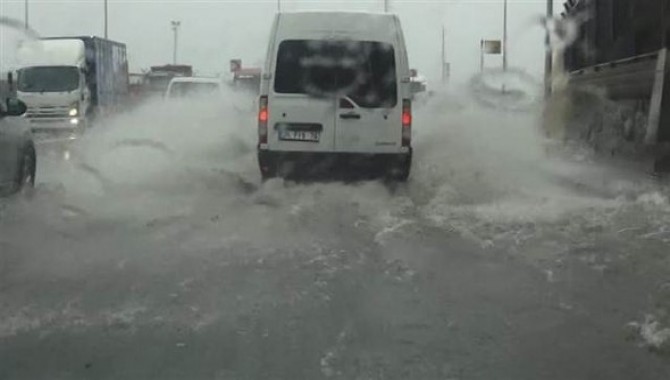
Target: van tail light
263, 117
406, 122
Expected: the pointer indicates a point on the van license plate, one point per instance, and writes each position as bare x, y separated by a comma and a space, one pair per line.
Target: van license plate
300, 136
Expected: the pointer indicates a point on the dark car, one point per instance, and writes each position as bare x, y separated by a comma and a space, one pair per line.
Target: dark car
18, 161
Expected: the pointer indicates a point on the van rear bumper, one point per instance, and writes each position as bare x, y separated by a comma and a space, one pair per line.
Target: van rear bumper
334, 165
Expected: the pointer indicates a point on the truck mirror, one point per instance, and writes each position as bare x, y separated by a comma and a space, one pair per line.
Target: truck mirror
15, 107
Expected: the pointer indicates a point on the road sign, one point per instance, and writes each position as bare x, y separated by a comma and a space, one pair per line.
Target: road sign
491, 47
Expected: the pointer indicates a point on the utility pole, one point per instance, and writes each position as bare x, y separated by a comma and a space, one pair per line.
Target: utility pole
505, 36
664, 24
548, 58
27, 26
481, 56
444, 69
278, 5
386, 6
106, 30
175, 30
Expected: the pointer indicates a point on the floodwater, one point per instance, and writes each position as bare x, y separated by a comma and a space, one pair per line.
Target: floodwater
150, 249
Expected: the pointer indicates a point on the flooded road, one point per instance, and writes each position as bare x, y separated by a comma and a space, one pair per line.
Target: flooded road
151, 250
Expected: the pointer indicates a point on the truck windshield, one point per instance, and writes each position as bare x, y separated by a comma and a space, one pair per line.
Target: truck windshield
48, 79
362, 70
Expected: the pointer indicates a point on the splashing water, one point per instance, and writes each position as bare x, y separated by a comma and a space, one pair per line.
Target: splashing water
510, 90
563, 31
13, 37
19, 26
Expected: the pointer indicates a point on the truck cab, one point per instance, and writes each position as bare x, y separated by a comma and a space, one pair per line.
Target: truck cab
66, 82
52, 83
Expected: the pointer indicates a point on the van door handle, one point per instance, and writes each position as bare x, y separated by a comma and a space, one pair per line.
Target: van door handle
350, 116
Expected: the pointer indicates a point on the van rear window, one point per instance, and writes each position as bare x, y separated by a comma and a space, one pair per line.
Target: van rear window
362, 70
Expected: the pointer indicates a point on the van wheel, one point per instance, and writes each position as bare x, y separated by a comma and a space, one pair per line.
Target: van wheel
400, 172
267, 175
267, 165
267, 171
399, 175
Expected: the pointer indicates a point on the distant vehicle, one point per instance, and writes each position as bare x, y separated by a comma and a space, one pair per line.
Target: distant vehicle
180, 88
68, 82
247, 79
18, 161
418, 83
158, 78
245, 84
335, 88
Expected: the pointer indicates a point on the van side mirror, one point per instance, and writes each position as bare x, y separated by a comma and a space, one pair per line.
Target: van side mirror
14, 107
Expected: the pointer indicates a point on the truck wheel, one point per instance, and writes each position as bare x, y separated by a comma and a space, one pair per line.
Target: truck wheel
83, 126
26, 169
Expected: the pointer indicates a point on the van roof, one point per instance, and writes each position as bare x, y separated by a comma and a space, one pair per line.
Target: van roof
381, 27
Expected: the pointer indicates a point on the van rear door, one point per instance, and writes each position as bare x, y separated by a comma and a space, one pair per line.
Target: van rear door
368, 116
335, 95
301, 117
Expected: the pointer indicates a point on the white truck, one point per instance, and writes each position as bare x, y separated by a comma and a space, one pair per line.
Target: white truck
69, 82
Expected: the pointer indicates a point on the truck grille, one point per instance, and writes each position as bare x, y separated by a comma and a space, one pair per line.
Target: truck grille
47, 112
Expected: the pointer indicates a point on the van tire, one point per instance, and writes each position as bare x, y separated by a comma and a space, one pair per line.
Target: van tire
400, 170
400, 175
403, 176
267, 176
267, 164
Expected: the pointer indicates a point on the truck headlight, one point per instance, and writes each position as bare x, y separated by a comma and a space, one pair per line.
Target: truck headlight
74, 109
74, 121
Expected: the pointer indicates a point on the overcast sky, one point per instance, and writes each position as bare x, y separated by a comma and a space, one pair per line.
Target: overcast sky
214, 31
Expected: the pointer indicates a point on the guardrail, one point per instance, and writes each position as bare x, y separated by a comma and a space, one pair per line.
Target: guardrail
630, 78
621, 62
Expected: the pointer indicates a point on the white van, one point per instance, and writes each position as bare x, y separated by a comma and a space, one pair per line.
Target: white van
184, 87
335, 87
